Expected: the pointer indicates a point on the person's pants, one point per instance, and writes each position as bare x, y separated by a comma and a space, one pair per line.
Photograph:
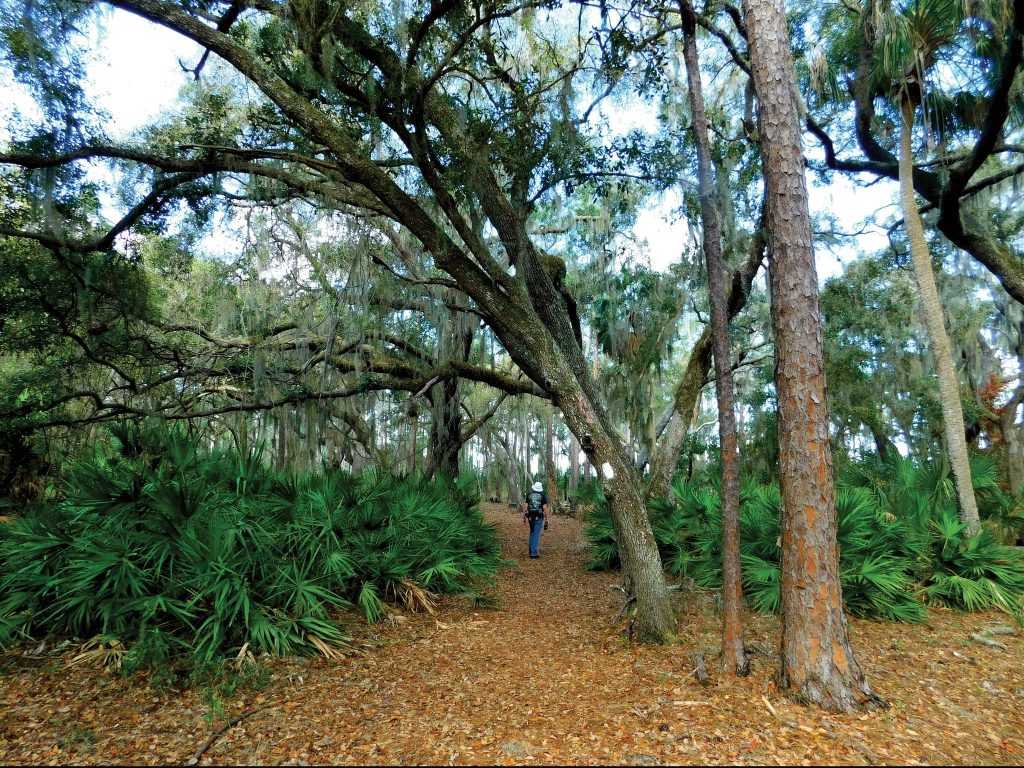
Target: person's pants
536, 526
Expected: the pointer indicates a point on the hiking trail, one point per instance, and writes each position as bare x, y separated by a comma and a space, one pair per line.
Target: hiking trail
544, 677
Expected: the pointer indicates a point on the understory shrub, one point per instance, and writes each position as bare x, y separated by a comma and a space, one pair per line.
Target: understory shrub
174, 551
900, 542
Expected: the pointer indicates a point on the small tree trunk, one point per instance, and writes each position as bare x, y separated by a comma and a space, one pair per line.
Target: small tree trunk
883, 444
414, 451
931, 308
818, 664
282, 437
734, 660
666, 456
549, 458
574, 470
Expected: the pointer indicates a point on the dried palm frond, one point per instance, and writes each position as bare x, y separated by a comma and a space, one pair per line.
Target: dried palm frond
415, 598
329, 651
102, 651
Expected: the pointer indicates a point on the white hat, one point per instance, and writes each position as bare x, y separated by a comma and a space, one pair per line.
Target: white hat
537, 487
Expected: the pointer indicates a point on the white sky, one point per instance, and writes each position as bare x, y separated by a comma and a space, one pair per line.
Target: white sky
135, 74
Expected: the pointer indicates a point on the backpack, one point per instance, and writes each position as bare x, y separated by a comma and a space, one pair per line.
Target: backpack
535, 505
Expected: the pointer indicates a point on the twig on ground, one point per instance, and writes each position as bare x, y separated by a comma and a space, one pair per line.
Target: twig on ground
999, 629
775, 713
984, 639
205, 746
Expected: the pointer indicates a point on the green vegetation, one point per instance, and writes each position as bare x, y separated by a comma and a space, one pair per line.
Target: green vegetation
174, 550
901, 544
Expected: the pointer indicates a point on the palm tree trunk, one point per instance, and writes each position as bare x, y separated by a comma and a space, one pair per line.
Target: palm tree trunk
734, 659
818, 663
931, 308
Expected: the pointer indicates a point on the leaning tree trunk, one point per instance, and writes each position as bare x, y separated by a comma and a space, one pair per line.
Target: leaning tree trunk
670, 441
931, 308
666, 455
734, 659
818, 664
654, 620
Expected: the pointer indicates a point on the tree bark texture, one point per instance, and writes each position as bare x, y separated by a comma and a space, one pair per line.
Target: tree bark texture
734, 660
931, 308
818, 663
455, 341
549, 457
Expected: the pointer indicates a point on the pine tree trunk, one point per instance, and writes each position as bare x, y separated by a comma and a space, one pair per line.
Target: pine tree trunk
818, 664
931, 308
734, 659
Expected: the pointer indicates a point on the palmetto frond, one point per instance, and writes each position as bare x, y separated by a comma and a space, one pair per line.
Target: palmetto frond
171, 550
899, 537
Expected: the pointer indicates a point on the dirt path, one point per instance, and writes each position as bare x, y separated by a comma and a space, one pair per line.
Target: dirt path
544, 677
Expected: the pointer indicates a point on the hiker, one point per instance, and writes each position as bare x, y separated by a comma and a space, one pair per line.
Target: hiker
535, 511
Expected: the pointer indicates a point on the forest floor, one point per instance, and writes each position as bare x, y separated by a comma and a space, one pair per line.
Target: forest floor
544, 677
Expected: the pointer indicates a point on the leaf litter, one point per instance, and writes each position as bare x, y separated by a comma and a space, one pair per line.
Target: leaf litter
545, 677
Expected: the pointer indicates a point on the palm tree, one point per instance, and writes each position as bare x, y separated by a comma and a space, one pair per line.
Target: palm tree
910, 45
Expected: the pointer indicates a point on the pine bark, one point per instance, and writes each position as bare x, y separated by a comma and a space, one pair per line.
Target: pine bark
734, 659
931, 308
818, 663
